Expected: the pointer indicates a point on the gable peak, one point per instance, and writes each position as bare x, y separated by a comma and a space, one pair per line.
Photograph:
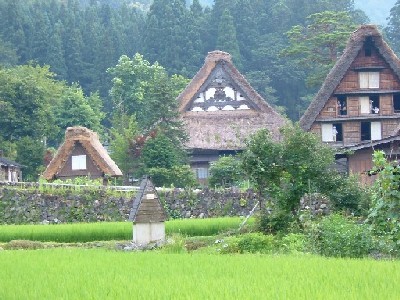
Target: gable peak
217, 55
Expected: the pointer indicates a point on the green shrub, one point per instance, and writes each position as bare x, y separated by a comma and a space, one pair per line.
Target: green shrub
177, 176
273, 222
339, 236
250, 243
225, 172
293, 242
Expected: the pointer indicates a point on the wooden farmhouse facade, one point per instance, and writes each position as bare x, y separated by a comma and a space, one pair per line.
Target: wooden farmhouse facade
10, 171
220, 110
358, 105
81, 155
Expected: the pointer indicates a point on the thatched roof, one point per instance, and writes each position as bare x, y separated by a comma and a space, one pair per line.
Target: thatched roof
90, 142
147, 207
225, 129
354, 45
9, 163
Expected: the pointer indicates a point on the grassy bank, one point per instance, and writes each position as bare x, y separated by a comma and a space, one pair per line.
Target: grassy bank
103, 231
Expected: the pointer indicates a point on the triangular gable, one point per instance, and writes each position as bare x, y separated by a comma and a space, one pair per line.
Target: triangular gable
219, 84
220, 109
90, 142
335, 76
146, 207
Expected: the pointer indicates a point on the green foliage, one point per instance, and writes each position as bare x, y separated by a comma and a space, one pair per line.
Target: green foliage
225, 172
384, 215
339, 236
392, 29
345, 192
227, 40
250, 243
180, 176
275, 221
284, 171
30, 153
77, 110
318, 44
160, 152
123, 134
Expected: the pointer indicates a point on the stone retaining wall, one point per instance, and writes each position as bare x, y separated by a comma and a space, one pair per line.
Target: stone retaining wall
25, 206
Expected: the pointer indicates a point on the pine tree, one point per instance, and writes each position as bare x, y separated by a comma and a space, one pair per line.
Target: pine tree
226, 40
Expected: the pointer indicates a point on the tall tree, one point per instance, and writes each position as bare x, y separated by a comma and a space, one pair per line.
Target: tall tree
227, 40
393, 28
317, 45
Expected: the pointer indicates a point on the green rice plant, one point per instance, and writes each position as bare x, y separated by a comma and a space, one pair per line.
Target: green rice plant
104, 231
103, 274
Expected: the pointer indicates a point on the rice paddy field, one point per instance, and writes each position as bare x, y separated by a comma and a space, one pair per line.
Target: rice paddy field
103, 231
74, 273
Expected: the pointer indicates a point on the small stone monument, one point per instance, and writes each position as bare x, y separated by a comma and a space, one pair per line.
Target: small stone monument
148, 215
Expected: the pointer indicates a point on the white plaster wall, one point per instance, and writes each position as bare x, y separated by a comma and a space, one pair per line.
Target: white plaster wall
210, 93
144, 233
229, 92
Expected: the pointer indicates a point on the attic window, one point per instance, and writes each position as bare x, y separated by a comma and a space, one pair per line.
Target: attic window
368, 47
79, 162
332, 132
369, 80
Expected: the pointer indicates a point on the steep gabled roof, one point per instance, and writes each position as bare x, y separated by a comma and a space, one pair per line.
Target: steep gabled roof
354, 45
90, 142
9, 163
224, 129
147, 207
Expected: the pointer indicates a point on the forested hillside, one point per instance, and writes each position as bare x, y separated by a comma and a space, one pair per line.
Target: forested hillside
79, 40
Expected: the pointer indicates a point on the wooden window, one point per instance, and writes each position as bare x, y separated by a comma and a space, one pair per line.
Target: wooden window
396, 103
369, 80
327, 132
202, 173
374, 103
371, 131
365, 131
79, 162
342, 105
364, 105
376, 131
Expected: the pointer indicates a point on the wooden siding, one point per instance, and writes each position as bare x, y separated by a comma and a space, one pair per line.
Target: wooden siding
360, 163
351, 122
386, 104
388, 127
91, 169
351, 133
330, 109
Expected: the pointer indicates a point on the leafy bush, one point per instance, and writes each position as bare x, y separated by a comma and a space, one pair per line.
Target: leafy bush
250, 243
293, 242
177, 176
273, 222
344, 192
384, 215
225, 172
339, 236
